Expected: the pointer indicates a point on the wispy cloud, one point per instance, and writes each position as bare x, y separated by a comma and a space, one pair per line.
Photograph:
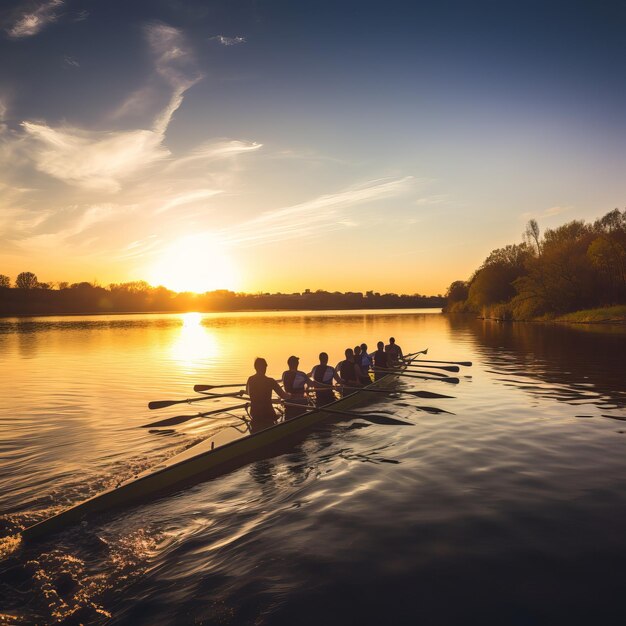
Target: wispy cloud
549, 212
93, 160
187, 197
30, 19
103, 160
70, 61
312, 217
215, 151
228, 41
433, 200
175, 63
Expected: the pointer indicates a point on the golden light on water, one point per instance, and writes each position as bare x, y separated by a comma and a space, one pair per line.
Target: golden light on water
195, 263
196, 343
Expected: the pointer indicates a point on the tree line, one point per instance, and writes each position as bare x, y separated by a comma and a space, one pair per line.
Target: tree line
576, 266
30, 297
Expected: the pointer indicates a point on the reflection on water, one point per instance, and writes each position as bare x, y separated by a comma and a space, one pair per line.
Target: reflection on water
576, 364
196, 344
507, 509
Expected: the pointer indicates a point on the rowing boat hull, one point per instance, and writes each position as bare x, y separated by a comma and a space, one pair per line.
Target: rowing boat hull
198, 462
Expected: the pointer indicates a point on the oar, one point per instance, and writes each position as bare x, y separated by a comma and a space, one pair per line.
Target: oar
375, 418
179, 419
447, 368
418, 394
427, 372
209, 387
447, 379
464, 363
415, 354
161, 404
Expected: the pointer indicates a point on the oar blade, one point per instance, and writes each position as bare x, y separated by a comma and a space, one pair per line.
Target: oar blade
171, 421
428, 394
383, 420
432, 409
162, 404
179, 419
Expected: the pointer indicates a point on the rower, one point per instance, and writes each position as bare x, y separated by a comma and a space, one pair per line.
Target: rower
295, 383
260, 387
324, 374
380, 360
394, 352
349, 371
366, 364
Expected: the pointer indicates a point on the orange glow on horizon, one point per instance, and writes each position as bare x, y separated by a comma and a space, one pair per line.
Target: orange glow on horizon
196, 263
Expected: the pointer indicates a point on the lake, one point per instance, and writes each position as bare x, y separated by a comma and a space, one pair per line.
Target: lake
508, 509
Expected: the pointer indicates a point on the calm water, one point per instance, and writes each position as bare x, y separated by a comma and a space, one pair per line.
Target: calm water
511, 510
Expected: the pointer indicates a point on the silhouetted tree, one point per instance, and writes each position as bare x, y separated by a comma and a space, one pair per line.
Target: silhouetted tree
457, 291
5, 281
26, 280
531, 236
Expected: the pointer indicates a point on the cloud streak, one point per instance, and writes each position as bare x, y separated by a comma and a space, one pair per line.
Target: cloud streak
28, 23
102, 161
228, 41
310, 218
98, 161
549, 212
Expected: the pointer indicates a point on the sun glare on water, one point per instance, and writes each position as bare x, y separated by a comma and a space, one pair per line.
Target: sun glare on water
195, 263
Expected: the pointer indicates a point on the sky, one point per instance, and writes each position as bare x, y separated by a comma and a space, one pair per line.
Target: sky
261, 145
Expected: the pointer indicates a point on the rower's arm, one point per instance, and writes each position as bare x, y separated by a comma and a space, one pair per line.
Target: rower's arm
316, 384
278, 390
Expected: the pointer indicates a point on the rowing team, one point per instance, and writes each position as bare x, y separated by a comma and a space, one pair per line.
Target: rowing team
352, 372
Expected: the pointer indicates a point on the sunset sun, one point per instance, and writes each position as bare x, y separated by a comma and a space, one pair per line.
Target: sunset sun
195, 263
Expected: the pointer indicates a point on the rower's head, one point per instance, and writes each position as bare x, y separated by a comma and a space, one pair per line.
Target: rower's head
349, 354
392, 340
260, 365
323, 358
293, 362
364, 348
357, 350
380, 345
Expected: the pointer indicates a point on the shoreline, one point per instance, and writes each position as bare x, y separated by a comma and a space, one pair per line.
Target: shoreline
615, 316
4, 316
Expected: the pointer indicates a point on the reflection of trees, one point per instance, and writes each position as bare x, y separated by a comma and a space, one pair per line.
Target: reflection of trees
582, 362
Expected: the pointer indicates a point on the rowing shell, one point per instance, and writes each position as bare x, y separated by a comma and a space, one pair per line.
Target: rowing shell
198, 462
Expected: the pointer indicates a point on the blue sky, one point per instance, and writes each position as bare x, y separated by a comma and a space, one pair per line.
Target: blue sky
290, 145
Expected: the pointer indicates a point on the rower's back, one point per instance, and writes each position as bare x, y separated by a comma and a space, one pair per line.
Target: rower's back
260, 388
394, 352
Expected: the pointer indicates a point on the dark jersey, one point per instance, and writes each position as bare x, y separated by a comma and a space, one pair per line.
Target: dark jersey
347, 371
380, 358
